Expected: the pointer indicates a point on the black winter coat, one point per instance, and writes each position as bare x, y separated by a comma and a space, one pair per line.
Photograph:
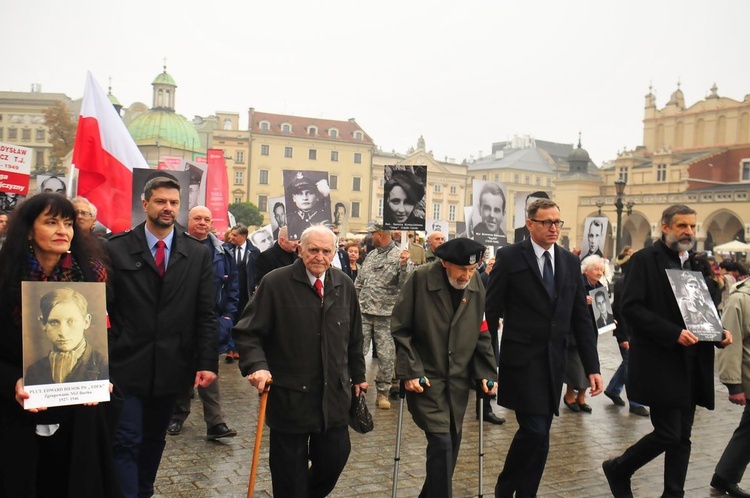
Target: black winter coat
163, 329
313, 349
659, 368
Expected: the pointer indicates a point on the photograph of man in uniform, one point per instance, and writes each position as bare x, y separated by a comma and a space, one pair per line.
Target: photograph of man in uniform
278, 215
522, 204
696, 306
593, 243
64, 318
307, 194
490, 207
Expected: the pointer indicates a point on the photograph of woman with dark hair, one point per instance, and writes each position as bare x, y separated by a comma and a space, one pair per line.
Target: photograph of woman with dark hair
403, 207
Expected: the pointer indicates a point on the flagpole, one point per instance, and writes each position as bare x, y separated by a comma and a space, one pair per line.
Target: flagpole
69, 190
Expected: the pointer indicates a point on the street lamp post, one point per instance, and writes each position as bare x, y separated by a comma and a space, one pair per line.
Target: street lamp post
620, 189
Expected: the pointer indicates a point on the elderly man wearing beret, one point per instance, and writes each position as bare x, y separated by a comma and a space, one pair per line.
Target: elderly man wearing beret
436, 324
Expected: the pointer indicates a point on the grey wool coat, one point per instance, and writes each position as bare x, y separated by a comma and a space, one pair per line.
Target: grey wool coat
447, 348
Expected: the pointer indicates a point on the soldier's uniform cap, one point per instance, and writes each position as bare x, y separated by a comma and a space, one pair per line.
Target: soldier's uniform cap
461, 251
300, 182
375, 227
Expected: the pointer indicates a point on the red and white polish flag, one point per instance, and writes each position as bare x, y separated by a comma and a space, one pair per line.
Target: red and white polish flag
105, 155
483, 327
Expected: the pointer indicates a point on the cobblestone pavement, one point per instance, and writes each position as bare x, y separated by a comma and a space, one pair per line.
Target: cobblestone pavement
194, 467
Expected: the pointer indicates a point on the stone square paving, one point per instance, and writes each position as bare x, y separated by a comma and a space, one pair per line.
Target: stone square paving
194, 467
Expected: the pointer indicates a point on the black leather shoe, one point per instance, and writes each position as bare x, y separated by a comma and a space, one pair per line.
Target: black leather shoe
616, 399
572, 406
639, 410
585, 407
493, 419
219, 431
619, 486
728, 488
174, 428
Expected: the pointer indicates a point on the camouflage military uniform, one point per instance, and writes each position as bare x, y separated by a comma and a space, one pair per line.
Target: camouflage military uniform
378, 283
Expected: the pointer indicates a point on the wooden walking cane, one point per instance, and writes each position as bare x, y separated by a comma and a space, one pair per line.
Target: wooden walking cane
258, 437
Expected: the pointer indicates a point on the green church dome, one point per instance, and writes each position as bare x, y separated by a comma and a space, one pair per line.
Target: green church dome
167, 128
164, 79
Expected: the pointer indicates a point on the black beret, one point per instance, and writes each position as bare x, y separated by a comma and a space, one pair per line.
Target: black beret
461, 251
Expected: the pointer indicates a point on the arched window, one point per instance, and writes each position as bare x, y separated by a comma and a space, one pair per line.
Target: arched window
227, 124
286, 128
333, 133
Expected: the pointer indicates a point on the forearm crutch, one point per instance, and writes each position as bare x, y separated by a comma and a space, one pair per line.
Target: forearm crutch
258, 438
397, 456
481, 395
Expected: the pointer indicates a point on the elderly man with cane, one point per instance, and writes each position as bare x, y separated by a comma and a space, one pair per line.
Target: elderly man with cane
436, 324
303, 330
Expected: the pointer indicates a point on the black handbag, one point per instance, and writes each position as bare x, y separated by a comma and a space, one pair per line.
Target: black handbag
360, 418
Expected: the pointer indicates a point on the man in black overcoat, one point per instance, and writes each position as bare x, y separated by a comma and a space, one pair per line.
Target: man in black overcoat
537, 289
303, 329
163, 330
669, 370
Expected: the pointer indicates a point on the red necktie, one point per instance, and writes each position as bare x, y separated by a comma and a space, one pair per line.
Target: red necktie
159, 257
319, 287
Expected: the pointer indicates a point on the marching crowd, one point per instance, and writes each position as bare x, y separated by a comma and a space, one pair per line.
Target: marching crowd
302, 314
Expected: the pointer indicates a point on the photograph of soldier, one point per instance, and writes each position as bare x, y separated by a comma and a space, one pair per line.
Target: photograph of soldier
307, 196
51, 184
489, 213
69, 349
605, 320
278, 215
262, 238
595, 236
523, 199
696, 307
141, 176
404, 197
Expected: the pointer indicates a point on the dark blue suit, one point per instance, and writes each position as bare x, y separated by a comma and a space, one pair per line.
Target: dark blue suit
536, 332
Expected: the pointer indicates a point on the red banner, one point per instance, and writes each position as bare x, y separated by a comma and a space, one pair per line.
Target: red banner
217, 189
15, 165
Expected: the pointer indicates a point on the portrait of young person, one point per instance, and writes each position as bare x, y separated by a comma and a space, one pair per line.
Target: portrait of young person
403, 200
63, 451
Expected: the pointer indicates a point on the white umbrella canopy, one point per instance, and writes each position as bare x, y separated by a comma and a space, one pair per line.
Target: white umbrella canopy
732, 246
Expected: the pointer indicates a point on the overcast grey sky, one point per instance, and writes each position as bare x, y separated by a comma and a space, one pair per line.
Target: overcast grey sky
463, 74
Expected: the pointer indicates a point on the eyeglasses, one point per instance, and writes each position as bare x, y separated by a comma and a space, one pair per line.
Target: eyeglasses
85, 214
549, 223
